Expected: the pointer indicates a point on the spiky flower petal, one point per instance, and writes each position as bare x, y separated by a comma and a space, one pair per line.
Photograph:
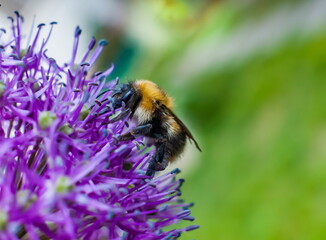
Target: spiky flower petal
63, 174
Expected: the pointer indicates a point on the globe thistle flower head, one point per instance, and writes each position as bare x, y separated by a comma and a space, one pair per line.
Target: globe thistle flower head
63, 174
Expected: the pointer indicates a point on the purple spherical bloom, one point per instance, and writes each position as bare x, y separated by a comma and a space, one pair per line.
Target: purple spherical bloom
63, 174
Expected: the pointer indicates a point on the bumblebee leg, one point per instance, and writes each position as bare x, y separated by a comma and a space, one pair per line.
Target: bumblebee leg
123, 114
141, 130
159, 161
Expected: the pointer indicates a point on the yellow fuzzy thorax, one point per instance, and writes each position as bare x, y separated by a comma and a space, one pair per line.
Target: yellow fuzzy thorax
151, 93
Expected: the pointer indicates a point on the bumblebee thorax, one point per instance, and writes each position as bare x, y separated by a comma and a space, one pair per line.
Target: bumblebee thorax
152, 95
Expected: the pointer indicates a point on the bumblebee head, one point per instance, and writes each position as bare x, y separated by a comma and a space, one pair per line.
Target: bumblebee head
124, 95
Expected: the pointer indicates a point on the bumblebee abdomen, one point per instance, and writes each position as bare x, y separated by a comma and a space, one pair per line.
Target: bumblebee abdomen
175, 137
176, 145
171, 126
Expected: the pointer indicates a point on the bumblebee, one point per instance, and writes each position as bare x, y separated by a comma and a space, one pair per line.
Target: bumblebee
151, 109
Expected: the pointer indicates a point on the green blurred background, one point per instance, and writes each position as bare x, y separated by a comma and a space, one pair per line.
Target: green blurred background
248, 78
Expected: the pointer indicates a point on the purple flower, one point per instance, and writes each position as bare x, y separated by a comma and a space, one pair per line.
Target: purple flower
63, 174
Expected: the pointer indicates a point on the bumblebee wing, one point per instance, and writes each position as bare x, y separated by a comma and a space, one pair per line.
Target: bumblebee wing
183, 126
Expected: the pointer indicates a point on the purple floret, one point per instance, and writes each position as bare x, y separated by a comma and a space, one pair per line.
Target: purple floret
63, 174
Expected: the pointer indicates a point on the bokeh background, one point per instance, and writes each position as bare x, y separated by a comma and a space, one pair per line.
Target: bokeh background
248, 78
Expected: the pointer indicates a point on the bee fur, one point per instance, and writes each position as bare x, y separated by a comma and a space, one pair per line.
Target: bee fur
151, 109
